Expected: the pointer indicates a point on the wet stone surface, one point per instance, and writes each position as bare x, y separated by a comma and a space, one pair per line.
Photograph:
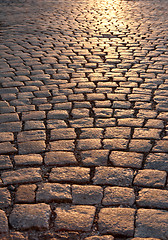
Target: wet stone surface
83, 120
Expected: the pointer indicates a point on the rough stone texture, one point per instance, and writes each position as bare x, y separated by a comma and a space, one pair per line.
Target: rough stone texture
147, 133
126, 159
65, 145
3, 222
91, 133
152, 223
75, 218
70, 174
31, 136
113, 176
6, 137
83, 104
150, 178
67, 133
30, 147
157, 161
161, 146
116, 196
115, 144
87, 144
118, 132
153, 198
27, 175
28, 160
60, 158
5, 198
49, 192
30, 216
87, 195
5, 162
25, 194
140, 145
117, 221
94, 157
7, 147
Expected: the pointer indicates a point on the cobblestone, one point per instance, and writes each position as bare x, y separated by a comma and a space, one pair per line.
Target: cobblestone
116, 196
83, 119
75, 218
122, 224
49, 192
151, 223
3, 222
70, 174
113, 176
25, 194
27, 175
87, 195
150, 178
27, 216
154, 198
5, 198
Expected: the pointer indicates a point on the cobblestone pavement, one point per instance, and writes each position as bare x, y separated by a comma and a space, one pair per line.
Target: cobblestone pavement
83, 120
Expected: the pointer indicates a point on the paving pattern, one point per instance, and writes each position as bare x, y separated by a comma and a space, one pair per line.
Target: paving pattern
83, 119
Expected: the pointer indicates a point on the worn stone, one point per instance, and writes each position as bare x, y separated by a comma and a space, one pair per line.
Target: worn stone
57, 114
9, 117
49, 192
87, 144
86, 195
94, 157
117, 196
26, 175
11, 127
31, 147
6, 137
5, 162
3, 222
28, 160
33, 115
34, 135
153, 198
30, 216
161, 146
115, 144
126, 159
140, 145
25, 194
60, 158
65, 133
81, 123
92, 133
70, 174
5, 198
7, 147
65, 145
150, 178
118, 132
122, 224
113, 176
157, 161
152, 223
74, 218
